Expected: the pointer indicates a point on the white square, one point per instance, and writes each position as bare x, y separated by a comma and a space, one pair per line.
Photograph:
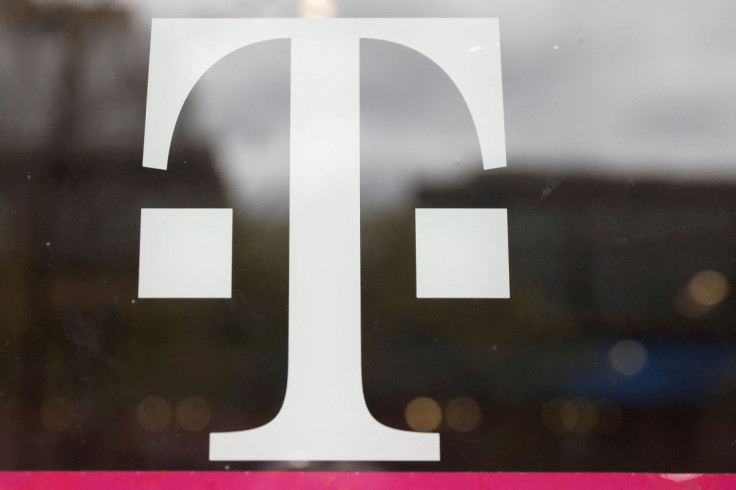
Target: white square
462, 253
186, 253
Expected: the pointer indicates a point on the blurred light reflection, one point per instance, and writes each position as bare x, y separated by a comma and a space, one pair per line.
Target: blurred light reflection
193, 413
317, 8
708, 288
587, 416
628, 357
154, 413
423, 414
559, 415
463, 414
581, 416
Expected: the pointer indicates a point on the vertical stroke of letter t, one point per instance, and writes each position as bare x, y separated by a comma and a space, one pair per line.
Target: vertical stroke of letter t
324, 415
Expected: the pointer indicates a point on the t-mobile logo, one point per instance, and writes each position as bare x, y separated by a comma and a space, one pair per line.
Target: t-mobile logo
460, 253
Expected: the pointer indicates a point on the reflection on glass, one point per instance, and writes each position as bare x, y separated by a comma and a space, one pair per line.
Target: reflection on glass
423, 414
463, 414
615, 351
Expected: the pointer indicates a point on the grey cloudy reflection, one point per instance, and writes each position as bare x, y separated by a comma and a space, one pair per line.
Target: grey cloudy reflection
628, 88
632, 89
636, 86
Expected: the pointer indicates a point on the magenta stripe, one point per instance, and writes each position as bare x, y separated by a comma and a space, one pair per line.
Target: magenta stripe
177, 480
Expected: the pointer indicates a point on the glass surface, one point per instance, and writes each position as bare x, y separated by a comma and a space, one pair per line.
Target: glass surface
616, 351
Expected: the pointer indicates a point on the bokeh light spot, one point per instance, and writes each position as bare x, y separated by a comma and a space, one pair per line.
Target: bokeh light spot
154, 413
587, 416
628, 357
317, 8
423, 414
559, 415
193, 413
463, 414
580, 416
708, 288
